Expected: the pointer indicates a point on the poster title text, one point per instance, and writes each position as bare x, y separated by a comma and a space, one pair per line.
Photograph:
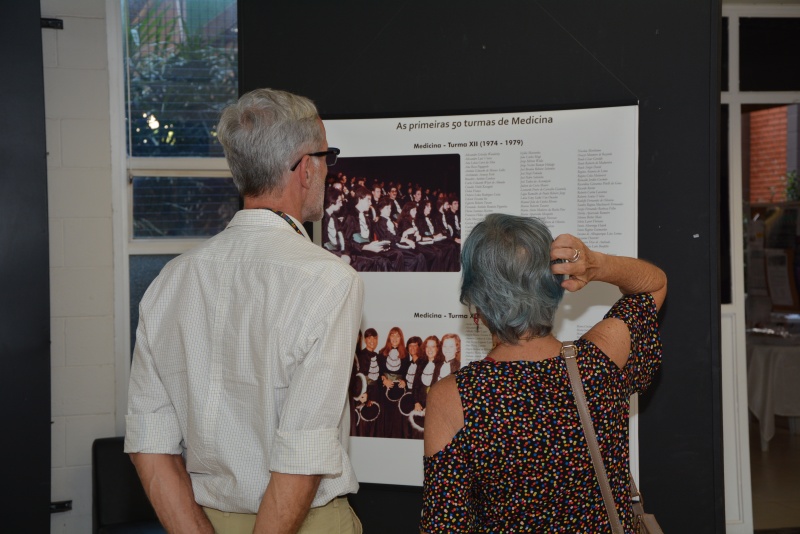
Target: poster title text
468, 123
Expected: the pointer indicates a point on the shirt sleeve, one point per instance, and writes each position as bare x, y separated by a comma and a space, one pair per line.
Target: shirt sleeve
639, 312
447, 494
151, 425
307, 439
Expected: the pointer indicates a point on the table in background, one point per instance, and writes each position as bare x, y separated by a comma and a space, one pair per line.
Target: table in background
773, 382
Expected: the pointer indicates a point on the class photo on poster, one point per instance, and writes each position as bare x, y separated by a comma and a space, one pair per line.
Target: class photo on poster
395, 213
392, 375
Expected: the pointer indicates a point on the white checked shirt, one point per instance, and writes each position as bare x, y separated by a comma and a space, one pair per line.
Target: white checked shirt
243, 355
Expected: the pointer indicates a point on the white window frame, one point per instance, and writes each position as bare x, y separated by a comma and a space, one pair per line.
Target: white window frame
123, 168
168, 167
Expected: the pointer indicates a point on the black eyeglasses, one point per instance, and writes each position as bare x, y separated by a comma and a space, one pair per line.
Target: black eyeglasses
330, 157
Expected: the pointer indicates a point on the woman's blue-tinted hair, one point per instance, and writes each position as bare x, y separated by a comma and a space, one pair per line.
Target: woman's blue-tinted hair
506, 274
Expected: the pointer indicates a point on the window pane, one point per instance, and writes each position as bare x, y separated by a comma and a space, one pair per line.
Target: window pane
182, 207
768, 54
182, 69
724, 54
726, 281
769, 151
769, 162
143, 270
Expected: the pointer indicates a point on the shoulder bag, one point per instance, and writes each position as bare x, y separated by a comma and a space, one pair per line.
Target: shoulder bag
643, 523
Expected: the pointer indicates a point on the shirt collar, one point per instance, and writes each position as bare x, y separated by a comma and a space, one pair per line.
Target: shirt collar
261, 217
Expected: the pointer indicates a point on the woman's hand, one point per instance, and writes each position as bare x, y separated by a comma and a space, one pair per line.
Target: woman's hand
570, 257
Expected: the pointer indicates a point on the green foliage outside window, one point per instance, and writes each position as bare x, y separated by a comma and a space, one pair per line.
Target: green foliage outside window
792, 186
182, 69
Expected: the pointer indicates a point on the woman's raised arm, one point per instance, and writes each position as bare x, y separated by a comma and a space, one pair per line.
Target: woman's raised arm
583, 265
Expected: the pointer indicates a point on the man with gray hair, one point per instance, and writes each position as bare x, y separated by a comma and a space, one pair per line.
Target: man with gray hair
237, 408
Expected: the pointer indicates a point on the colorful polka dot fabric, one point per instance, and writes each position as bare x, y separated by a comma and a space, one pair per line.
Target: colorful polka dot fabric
520, 463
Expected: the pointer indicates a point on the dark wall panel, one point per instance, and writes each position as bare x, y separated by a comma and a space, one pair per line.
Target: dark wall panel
359, 58
417, 57
24, 275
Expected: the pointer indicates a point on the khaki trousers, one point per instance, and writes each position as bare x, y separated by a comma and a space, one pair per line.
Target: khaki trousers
336, 517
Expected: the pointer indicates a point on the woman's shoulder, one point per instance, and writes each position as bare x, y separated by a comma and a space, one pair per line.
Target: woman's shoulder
472, 378
626, 318
451, 391
444, 391
474, 368
444, 415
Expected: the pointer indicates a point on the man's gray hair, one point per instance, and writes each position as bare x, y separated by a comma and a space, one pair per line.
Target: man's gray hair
264, 134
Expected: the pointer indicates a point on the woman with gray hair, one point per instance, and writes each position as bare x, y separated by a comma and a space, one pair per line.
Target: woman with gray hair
504, 446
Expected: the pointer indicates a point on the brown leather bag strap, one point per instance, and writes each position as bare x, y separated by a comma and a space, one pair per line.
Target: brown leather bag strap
568, 353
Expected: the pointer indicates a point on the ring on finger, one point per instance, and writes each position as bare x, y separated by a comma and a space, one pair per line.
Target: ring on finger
576, 257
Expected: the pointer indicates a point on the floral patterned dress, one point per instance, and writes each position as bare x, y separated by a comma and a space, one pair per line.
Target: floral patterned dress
521, 463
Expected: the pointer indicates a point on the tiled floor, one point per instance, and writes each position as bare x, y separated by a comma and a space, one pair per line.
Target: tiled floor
776, 479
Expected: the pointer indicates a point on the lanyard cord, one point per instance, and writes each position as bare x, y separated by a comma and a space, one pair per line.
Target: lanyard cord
287, 219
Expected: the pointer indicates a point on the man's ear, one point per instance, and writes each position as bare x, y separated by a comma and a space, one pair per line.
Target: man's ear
303, 172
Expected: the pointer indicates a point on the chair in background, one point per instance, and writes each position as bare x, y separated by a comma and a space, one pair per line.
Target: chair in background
119, 504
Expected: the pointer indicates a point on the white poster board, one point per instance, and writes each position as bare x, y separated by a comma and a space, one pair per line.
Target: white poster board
574, 169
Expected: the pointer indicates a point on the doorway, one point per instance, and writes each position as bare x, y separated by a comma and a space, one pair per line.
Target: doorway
770, 206
760, 92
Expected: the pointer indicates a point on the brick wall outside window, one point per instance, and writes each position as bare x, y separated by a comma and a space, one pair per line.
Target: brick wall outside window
768, 155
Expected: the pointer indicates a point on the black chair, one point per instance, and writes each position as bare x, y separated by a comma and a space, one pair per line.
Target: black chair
119, 504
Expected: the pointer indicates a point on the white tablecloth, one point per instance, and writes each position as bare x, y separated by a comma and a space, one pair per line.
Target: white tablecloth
773, 382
